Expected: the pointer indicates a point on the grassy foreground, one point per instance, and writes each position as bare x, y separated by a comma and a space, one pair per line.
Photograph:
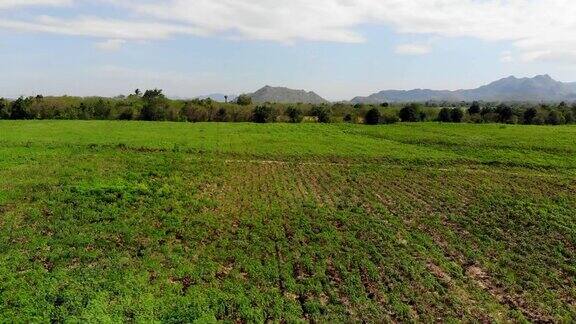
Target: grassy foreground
131, 221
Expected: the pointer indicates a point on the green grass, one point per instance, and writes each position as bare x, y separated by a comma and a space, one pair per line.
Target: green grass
130, 221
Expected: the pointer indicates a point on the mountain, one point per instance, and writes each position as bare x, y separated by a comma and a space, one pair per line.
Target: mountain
218, 97
539, 88
285, 95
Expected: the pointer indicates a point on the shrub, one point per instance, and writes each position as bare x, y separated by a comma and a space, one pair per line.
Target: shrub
239, 114
444, 115
244, 100
4, 109
410, 113
372, 117
262, 114
294, 114
569, 116
390, 118
155, 105
555, 118
20, 108
101, 109
529, 115
193, 112
322, 113
474, 108
456, 115
505, 113
221, 115
126, 113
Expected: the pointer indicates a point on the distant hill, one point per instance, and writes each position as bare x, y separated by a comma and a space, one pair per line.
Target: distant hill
218, 97
285, 95
539, 88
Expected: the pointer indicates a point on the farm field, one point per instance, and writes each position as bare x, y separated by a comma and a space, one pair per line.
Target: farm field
177, 222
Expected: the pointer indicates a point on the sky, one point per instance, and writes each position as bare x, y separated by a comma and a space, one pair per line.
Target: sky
338, 48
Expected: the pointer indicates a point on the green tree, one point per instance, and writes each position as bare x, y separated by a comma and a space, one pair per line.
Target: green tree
322, 113
155, 105
102, 109
372, 117
410, 113
294, 114
4, 109
505, 113
529, 115
569, 116
244, 100
474, 108
390, 117
221, 115
444, 115
262, 114
20, 108
555, 117
456, 115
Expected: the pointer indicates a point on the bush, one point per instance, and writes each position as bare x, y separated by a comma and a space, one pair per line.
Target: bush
20, 108
4, 109
390, 118
555, 118
221, 115
126, 113
569, 116
193, 112
322, 113
456, 115
294, 114
444, 115
410, 113
155, 105
262, 114
529, 115
372, 117
474, 108
244, 100
348, 118
505, 113
239, 114
102, 109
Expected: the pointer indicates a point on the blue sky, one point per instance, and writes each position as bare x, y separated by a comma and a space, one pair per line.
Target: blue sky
337, 48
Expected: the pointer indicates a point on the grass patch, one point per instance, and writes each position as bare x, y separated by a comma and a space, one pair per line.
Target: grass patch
114, 221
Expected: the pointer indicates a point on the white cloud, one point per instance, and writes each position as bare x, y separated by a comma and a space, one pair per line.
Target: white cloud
5, 4
532, 26
563, 56
102, 28
507, 57
110, 45
413, 49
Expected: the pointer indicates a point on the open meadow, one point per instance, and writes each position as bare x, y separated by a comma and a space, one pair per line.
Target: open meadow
114, 221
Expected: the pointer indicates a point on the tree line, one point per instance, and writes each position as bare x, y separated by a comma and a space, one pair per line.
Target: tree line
153, 105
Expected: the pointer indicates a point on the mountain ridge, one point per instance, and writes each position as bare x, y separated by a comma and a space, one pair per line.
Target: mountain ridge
285, 95
220, 97
539, 88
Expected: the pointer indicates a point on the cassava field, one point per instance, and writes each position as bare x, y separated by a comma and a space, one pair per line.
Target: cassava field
175, 222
